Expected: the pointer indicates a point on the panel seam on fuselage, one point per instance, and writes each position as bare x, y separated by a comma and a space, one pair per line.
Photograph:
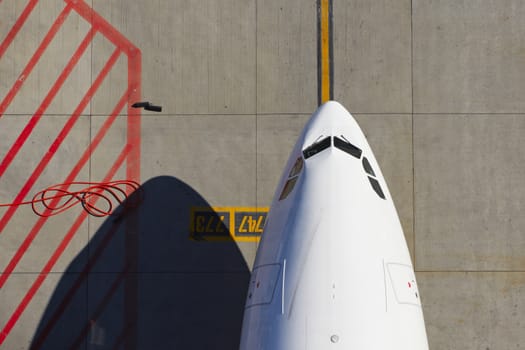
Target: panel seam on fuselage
283, 286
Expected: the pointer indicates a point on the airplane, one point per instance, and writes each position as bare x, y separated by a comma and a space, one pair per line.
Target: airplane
332, 270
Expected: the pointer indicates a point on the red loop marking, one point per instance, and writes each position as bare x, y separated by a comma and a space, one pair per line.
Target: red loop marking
57, 198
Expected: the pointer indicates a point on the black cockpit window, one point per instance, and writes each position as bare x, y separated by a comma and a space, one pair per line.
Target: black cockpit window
368, 167
297, 167
377, 187
347, 147
288, 187
292, 178
317, 147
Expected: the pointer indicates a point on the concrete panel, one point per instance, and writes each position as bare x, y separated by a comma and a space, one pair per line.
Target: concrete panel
276, 136
33, 66
35, 167
115, 84
30, 328
286, 56
188, 311
469, 56
473, 311
10, 12
469, 192
390, 137
210, 161
110, 147
213, 154
372, 55
197, 57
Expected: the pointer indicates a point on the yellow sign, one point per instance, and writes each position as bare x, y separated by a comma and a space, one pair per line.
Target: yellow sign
242, 224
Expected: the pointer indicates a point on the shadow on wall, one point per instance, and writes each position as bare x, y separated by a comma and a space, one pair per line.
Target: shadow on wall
141, 283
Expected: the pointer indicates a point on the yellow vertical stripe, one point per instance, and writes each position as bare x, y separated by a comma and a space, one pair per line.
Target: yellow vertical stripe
325, 51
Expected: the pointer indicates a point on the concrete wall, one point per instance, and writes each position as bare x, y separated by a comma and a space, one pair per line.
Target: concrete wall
436, 86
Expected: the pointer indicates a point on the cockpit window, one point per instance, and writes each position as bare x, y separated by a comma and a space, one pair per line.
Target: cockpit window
347, 147
292, 178
368, 167
288, 187
297, 167
317, 147
377, 187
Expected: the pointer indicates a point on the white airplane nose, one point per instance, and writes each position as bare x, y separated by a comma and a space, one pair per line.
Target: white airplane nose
332, 119
331, 125
332, 268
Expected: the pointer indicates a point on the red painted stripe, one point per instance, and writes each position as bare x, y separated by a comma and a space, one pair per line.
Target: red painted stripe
72, 175
56, 144
134, 116
98, 138
100, 308
132, 146
107, 238
24, 135
16, 27
78, 283
82, 161
100, 23
56, 255
10, 212
34, 59
132, 224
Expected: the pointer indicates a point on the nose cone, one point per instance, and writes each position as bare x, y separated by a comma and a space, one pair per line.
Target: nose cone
331, 119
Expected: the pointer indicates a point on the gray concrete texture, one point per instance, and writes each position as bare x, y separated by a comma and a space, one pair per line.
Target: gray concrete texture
435, 85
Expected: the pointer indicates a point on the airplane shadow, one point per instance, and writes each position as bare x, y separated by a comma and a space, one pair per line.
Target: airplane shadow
142, 283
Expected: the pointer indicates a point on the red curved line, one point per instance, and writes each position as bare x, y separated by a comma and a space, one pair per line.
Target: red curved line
56, 255
131, 153
58, 141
